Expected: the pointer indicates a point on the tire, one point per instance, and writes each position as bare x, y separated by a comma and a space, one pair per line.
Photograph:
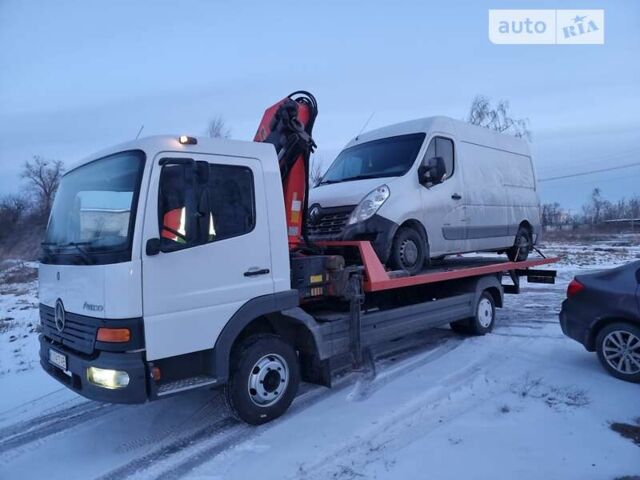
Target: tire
483, 321
521, 246
258, 361
409, 251
621, 362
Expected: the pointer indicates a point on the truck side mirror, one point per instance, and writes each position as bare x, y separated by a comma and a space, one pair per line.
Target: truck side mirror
432, 171
152, 247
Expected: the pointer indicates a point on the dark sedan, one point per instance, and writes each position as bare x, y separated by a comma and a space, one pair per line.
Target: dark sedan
602, 312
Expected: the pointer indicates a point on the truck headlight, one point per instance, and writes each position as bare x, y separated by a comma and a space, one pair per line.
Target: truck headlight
369, 205
111, 379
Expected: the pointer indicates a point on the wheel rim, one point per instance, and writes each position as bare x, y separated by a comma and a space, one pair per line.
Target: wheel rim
268, 380
485, 312
409, 253
621, 350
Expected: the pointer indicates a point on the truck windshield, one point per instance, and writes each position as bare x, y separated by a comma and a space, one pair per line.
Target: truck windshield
387, 157
93, 213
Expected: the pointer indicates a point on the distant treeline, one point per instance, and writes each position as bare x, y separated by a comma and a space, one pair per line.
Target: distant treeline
23, 216
595, 211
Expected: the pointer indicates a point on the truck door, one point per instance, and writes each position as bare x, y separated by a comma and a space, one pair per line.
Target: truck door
443, 205
207, 249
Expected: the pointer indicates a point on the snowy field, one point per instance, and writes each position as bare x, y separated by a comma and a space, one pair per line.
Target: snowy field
521, 403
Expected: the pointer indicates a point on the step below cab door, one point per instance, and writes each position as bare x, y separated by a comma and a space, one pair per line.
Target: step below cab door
206, 242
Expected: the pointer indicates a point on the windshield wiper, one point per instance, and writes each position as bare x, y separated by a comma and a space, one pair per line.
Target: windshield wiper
47, 253
348, 179
363, 177
78, 246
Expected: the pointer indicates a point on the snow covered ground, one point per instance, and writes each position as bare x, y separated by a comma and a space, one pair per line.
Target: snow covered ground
523, 402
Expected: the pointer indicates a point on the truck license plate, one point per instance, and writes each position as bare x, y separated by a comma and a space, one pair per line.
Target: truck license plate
58, 359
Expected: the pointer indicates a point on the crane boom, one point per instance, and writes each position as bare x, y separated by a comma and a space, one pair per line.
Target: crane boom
288, 125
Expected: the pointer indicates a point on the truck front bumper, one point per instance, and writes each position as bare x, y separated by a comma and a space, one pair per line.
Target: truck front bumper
75, 376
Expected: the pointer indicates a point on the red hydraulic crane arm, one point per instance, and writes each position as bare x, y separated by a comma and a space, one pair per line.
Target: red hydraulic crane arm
288, 126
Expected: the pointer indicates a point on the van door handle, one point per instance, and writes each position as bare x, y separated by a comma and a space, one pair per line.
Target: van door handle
253, 273
456, 196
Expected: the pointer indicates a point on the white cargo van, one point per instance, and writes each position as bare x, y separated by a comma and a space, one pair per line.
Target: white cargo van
428, 188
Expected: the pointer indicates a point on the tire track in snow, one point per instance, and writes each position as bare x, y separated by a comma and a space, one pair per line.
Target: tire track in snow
31, 402
138, 465
366, 387
28, 431
200, 415
177, 457
414, 417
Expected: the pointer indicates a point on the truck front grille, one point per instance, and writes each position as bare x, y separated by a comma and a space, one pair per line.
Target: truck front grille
79, 332
328, 222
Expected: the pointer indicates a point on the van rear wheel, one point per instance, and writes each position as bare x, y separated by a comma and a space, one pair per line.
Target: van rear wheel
409, 251
521, 246
264, 379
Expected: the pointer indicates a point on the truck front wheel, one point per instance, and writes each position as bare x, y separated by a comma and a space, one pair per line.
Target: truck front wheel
264, 379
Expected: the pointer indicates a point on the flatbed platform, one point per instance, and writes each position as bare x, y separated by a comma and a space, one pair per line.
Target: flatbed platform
377, 278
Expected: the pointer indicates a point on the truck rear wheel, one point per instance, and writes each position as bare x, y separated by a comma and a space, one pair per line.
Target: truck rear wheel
264, 379
483, 320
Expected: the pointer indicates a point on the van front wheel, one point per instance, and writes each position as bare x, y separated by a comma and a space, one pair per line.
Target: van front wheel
409, 251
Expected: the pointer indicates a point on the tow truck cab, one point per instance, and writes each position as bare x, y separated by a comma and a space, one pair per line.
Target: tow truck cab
158, 252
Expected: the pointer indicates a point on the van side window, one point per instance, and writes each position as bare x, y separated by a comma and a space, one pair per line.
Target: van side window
201, 203
442, 147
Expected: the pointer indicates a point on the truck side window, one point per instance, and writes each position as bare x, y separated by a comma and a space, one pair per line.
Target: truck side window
218, 204
229, 198
172, 207
442, 147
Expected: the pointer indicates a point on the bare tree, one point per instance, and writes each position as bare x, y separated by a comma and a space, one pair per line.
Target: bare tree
497, 118
43, 177
12, 209
218, 128
551, 214
315, 173
597, 205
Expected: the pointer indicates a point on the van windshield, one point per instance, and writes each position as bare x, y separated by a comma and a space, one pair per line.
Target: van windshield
93, 214
387, 157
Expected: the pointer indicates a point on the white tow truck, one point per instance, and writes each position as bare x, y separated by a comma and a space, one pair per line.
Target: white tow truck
168, 266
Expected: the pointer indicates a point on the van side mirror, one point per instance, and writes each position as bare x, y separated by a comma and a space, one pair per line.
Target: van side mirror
152, 247
432, 171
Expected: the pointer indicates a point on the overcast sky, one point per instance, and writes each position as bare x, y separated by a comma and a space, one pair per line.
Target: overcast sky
78, 76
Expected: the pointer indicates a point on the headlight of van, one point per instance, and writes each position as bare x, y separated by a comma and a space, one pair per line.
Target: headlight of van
369, 205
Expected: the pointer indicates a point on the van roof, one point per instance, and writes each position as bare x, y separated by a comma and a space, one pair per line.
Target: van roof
461, 131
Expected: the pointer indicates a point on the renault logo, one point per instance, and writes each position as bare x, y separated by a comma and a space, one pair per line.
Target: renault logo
59, 315
314, 214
